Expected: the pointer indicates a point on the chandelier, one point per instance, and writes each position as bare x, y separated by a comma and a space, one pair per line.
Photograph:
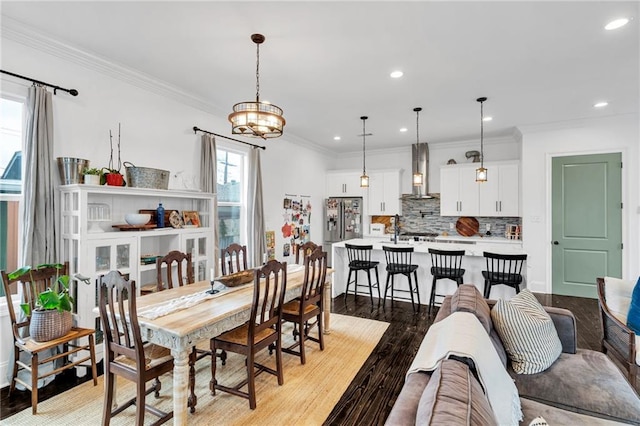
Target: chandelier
417, 176
481, 172
364, 179
256, 118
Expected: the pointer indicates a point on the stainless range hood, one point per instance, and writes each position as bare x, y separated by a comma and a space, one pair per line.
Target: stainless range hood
420, 158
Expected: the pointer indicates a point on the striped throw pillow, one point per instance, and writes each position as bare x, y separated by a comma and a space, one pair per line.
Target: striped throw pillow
527, 332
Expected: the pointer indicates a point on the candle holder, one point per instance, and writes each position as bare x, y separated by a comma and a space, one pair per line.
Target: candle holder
213, 291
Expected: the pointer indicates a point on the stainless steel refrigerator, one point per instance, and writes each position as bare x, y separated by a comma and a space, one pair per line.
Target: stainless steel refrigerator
342, 221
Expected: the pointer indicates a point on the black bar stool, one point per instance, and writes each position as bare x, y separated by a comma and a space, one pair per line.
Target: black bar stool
399, 262
505, 269
360, 260
445, 264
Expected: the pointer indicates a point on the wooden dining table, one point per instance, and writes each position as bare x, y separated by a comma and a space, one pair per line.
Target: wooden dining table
180, 330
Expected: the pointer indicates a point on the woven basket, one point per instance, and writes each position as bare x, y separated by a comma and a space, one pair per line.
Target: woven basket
236, 279
49, 325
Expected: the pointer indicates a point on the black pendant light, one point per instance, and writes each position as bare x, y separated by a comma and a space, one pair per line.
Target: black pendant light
364, 179
481, 172
418, 178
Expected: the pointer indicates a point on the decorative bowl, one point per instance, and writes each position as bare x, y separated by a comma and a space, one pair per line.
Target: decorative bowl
237, 278
137, 219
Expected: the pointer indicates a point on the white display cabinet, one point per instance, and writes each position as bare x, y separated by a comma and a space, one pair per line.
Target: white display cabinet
93, 247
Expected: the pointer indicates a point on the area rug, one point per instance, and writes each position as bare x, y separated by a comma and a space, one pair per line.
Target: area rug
307, 397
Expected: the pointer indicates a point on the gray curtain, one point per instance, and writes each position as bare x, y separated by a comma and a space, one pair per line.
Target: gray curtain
38, 208
209, 183
257, 238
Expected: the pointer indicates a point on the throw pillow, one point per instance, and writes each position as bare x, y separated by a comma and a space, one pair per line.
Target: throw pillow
453, 396
467, 298
539, 421
527, 332
617, 292
633, 317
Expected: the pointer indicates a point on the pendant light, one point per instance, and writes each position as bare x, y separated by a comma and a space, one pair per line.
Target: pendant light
481, 172
417, 176
364, 179
255, 118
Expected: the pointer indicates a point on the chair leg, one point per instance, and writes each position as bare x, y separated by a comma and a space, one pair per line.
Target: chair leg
16, 357
320, 329
415, 280
346, 290
251, 380
303, 338
34, 383
140, 401
213, 382
487, 289
223, 357
192, 400
432, 297
370, 286
413, 305
378, 283
92, 353
279, 369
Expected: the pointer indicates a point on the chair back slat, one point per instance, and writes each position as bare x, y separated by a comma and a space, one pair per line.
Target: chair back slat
269, 288
233, 259
445, 260
358, 253
181, 262
505, 268
315, 274
398, 258
305, 249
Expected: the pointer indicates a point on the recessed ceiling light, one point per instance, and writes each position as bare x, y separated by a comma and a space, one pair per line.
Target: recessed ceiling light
487, 119
615, 24
396, 74
336, 138
600, 104
403, 129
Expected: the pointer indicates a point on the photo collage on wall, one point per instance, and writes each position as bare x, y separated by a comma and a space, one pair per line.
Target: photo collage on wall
297, 219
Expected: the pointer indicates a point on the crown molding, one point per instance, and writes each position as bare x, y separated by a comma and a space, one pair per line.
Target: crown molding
574, 124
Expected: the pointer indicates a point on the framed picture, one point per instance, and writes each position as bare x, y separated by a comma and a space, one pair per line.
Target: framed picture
191, 218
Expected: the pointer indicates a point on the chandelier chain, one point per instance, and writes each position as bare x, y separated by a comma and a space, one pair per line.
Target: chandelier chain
417, 140
364, 136
482, 134
257, 72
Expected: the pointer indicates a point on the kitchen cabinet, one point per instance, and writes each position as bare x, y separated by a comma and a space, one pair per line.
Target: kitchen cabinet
459, 192
344, 184
500, 194
93, 247
383, 197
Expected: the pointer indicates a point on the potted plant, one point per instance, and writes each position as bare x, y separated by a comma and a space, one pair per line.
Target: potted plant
92, 176
112, 176
50, 317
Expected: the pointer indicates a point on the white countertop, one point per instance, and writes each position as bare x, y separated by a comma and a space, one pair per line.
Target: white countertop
473, 246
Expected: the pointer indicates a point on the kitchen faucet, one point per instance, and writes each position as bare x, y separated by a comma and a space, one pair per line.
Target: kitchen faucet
396, 229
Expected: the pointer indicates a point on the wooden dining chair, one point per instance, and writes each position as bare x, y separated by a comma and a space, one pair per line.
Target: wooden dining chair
44, 354
126, 353
308, 305
233, 259
305, 249
182, 262
262, 330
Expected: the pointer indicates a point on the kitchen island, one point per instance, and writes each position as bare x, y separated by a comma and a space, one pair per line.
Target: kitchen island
473, 262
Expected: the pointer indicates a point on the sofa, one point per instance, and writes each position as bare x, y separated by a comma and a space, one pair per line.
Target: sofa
580, 387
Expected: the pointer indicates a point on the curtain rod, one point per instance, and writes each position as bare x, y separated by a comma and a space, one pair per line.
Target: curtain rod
72, 92
196, 129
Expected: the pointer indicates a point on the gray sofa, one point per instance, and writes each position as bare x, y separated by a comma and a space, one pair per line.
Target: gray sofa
581, 386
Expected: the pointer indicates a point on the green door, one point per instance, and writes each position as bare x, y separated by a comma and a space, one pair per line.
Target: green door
586, 222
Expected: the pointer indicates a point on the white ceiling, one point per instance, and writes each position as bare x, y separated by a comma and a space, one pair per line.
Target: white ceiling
327, 63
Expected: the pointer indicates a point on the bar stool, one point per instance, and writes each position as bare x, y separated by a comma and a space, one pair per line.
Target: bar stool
505, 269
399, 262
360, 260
445, 264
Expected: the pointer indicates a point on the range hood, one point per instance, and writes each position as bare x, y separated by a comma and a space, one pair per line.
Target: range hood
420, 158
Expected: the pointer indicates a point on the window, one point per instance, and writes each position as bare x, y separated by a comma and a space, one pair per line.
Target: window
11, 120
232, 198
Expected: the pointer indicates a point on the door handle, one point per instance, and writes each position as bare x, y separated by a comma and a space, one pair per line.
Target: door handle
555, 243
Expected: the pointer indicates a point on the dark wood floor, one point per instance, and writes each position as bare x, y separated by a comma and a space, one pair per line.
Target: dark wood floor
369, 398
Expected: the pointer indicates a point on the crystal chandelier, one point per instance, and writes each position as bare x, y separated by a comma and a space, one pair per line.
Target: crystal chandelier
481, 172
256, 118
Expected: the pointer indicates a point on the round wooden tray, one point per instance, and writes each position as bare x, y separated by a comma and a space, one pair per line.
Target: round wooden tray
467, 226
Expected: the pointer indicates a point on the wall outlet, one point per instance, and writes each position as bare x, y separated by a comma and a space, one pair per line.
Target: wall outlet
451, 226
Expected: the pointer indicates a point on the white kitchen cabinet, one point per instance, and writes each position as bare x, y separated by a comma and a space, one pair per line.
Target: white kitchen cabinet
459, 192
384, 193
93, 247
500, 194
344, 184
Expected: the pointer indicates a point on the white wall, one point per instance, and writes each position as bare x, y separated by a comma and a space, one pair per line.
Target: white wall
609, 134
156, 132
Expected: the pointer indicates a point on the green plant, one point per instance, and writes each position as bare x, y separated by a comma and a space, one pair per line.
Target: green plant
92, 171
56, 297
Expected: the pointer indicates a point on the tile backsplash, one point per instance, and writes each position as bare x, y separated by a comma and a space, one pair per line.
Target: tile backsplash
423, 215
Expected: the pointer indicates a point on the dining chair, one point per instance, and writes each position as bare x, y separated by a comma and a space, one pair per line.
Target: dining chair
360, 260
262, 330
503, 269
399, 263
44, 358
233, 259
126, 353
308, 305
305, 249
182, 262
445, 264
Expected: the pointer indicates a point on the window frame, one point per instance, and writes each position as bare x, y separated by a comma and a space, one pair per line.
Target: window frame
244, 199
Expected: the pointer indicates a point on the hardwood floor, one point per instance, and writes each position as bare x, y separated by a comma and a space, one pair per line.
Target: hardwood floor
369, 398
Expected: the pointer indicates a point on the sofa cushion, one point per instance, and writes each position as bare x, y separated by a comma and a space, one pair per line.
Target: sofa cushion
453, 396
556, 416
587, 383
633, 317
467, 298
617, 292
527, 332
406, 405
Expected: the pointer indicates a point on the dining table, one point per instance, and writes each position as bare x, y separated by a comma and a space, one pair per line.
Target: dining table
181, 317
